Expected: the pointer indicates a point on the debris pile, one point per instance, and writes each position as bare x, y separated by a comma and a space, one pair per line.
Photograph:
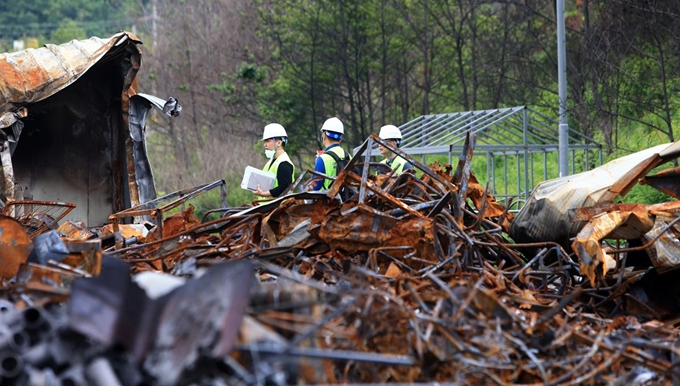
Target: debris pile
411, 280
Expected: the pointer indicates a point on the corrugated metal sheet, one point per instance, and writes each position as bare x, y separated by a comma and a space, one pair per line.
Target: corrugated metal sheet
32, 75
72, 103
545, 216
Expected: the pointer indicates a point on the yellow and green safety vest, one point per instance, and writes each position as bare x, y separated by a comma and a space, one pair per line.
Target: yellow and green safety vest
273, 167
330, 165
397, 163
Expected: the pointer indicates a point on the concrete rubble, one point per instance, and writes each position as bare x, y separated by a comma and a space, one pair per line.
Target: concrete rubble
412, 280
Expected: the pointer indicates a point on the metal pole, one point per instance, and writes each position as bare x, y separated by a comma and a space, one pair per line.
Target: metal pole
525, 141
562, 82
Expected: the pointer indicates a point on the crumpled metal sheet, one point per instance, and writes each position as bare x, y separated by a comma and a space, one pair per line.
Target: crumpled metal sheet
140, 104
201, 318
666, 181
623, 222
666, 250
615, 225
289, 216
544, 217
168, 334
8, 118
33, 75
363, 228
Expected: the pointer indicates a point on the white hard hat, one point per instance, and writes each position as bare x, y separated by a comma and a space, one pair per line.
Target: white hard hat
274, 130
333, 125
389, 132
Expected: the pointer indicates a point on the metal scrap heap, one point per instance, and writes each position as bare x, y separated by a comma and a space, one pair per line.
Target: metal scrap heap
411, 280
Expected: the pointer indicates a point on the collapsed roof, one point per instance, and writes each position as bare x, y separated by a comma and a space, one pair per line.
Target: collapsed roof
73, 126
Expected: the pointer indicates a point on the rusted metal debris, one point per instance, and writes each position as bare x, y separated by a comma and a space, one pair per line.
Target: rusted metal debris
413, 279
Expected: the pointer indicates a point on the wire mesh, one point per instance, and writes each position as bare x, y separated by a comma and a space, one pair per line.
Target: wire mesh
37, 217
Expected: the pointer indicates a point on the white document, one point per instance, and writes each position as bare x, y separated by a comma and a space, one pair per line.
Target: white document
253, 177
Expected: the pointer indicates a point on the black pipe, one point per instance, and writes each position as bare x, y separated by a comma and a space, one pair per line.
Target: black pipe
11, 364
33, 318
15, 340
18, 340
74, 376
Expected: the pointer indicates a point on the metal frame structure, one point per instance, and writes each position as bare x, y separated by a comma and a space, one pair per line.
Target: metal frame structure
157, 208
518, 132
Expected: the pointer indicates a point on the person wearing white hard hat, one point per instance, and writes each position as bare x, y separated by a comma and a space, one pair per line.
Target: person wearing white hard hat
392, 136
332, 131
275, 139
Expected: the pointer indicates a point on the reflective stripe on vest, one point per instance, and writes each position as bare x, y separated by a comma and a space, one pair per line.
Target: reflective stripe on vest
330, 165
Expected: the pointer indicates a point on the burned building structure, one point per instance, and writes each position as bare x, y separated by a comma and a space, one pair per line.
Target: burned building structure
73, 126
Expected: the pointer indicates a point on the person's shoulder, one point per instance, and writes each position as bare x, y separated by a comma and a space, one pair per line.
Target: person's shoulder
319, 162
340, 151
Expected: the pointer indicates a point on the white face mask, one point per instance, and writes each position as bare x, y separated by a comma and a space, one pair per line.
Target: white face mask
269, 153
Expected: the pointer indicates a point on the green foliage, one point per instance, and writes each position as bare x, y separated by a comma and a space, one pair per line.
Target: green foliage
59, 21
251, 72
67, 31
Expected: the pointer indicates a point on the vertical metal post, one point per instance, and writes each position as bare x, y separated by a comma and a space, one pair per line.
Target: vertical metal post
223, 195
488, 168
525, 140
519, 176
493, 173
562, 81
599, 155
364, 173
505, 174
533, 181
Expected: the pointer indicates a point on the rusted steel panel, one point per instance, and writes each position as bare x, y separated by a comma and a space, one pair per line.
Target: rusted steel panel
666, 181
53, 280
626, 221
615, 225
362, 229
15, 246
76, 231
32, 75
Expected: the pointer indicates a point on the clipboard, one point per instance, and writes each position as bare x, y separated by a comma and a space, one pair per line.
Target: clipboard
253, 177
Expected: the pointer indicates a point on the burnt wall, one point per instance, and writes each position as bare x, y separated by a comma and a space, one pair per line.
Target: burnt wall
70, 143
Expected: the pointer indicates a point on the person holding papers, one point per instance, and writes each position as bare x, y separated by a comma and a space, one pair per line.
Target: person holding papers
275, 139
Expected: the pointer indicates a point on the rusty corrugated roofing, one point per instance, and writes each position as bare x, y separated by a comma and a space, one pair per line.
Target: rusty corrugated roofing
35, 74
